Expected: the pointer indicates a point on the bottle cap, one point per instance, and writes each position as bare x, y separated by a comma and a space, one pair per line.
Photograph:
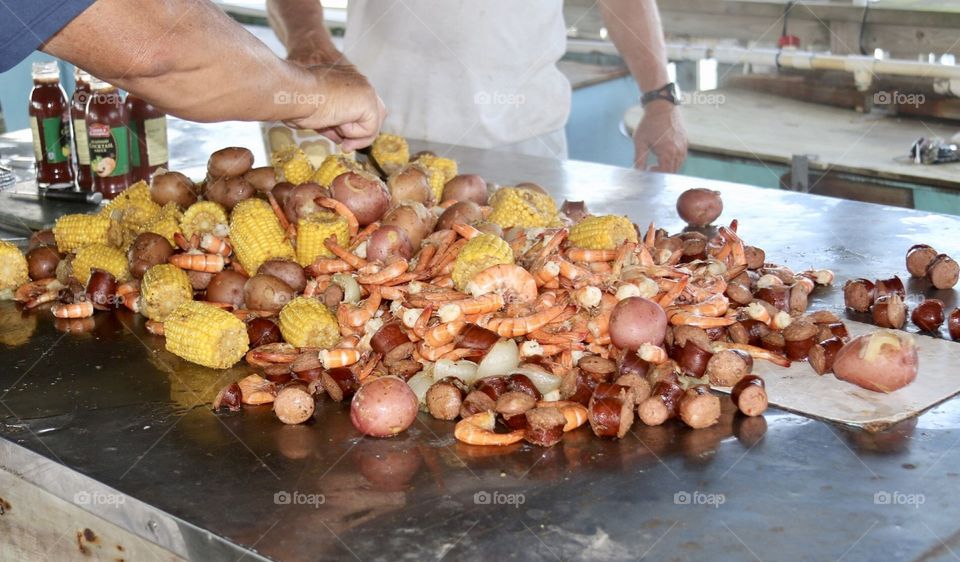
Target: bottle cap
46, 70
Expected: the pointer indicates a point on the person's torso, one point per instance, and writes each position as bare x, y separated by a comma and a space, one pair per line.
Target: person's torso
463, 72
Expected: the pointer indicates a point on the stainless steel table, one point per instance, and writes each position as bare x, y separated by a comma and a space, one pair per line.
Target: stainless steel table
111, 412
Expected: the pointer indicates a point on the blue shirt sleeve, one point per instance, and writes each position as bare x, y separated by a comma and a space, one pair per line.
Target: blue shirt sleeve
26, 24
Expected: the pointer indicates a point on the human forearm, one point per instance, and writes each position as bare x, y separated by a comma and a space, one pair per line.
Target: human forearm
635, 29
186, 57
300, 26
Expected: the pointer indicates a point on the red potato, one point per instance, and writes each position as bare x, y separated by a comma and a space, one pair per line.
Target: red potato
466, 187
42, 238
175, 187
364, 194
266, 292
389, 241
882, 361
229, 191
287, 271
262, 179
383, 407
227, 287
413, 218
636, 321
294, 405
148, 249
466, 212
230, 162
410, 184
699, 207
42, 262
299, 202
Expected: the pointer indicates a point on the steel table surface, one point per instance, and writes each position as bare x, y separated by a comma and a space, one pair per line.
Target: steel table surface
110, 410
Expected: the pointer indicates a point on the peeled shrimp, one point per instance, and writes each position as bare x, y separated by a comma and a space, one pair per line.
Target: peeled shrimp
444, 333
478, 430
513, 282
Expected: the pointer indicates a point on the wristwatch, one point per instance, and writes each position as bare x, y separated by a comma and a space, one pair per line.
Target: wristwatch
669, 93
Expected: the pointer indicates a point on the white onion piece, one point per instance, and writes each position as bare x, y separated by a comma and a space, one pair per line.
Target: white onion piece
544, 380
420, 383
464, 370
351, 289
503, 357
551, 396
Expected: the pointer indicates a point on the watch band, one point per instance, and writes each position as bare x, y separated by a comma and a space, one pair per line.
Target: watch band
667, 92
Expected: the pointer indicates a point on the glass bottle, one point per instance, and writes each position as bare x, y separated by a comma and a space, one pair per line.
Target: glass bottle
50, 124
148, 138
78, 117
109, 139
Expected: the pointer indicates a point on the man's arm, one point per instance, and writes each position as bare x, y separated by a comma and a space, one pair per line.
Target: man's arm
300, 27
634, 27
191, 60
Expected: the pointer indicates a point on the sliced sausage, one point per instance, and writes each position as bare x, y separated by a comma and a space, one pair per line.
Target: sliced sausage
445, 397
699, 407
544, 426
750, 395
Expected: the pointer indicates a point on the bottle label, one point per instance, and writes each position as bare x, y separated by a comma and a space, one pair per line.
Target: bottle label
83, 146
156, 132
54, 150
37, 147
134, 144
109, 150
66, 147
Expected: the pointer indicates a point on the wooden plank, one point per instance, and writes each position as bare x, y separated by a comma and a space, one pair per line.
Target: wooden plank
772, 129
36, 525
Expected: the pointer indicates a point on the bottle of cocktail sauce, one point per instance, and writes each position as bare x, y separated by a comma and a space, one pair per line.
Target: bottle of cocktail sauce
148, 138
109, 139
78, 117
50, 124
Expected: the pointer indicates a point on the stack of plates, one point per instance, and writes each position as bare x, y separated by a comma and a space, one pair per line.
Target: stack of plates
7, 178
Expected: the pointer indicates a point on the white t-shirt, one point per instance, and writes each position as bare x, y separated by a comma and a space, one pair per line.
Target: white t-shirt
468, 72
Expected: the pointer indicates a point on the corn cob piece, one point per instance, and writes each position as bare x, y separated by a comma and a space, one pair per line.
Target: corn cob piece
100, 256
164, 287
306, 322
13, 269
526, 208
481, 252
440, 171
292, 164
390, 151
256, 234
205, 335
333, 166
602, 232
314, 229
75, 231
133, 208
166, 223
203, 217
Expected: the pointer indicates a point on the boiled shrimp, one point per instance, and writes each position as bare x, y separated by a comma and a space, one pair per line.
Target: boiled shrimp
478, 430
511, 281
207, 263
83, 309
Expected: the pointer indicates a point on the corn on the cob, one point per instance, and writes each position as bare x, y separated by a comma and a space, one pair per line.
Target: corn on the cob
166, 223
133, 208
164, 287
203, 217
481, 252
75, 231
306, 322
440, 170
205, 335
100, 256
292, 164
13, 268
390, 151
526, 208
313, 229
602, 232
256, 234
333, 166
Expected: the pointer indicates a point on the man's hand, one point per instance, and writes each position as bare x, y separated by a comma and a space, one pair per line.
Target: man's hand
349, 112
661, 130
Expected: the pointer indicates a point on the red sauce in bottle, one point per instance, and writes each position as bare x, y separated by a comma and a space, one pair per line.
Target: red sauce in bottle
78, 117
109, 139
148, 138
50, 123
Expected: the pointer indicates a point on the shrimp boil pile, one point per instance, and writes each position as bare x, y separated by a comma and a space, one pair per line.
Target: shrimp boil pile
400, 285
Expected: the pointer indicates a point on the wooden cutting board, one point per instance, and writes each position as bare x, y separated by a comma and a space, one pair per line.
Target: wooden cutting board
799, 389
